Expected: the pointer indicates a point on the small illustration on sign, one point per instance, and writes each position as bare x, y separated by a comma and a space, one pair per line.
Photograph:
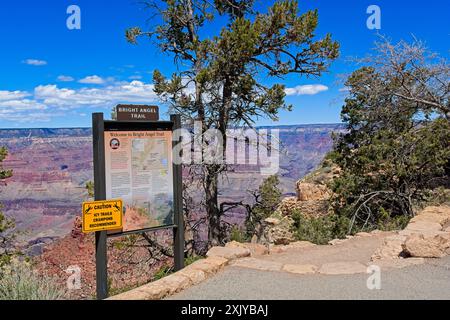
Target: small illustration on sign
102, 216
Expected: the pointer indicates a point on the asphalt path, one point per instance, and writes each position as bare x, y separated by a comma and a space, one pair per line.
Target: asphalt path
428, 281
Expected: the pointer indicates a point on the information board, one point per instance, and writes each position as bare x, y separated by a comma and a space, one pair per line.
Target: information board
139, 170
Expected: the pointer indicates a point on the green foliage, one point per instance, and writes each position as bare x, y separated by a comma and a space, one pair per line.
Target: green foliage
394, 150
4, 174
438, 196
163, 272
126, 242
388, 222
238, 235
267, 201
18, 281
90, 189
191, 259
320, 230
7, 236
225, 70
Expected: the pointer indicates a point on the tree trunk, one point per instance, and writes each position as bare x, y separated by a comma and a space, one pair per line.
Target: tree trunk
212, 205
215, 236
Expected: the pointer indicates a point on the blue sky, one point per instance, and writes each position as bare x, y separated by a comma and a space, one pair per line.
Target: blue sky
55, 77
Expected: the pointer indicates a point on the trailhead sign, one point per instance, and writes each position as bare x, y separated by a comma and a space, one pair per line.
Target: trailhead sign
139, 170
137, 113
134, 172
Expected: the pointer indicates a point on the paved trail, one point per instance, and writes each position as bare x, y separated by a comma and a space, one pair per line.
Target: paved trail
427, 281
430, 280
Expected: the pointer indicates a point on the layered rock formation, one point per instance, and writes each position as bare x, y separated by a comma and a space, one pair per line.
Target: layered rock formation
312, 200
51, 167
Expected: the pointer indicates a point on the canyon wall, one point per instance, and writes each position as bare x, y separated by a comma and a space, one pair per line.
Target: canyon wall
52, 166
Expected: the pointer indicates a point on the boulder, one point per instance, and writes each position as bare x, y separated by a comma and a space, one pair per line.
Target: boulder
425, 226
421, 246
195, 276
278, 231
309, 208
155, 290
229, 253
440, 215
311, 191
176, 283
392, 248
255, 248
210, 265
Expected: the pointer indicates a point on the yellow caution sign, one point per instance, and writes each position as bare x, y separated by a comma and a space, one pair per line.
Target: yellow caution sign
102, 215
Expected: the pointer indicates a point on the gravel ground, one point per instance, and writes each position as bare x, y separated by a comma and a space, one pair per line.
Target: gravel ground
427, 281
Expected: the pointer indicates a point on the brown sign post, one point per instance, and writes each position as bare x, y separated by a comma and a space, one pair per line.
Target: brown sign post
137, 113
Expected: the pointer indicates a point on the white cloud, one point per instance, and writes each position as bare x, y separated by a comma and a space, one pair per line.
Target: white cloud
309, 89
129, 92
35, 62
21, 105
92, 80
344, 89
49, 101
12, 95
135, 77
64, 78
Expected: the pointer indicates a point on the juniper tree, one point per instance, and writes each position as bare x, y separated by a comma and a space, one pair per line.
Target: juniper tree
220, 78
398, 141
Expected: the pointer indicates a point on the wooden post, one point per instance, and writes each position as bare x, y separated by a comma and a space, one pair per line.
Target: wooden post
101, 259
178, 204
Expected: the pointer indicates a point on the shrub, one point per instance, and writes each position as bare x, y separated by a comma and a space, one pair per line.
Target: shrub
387, 222
238, 235
268, 198
396, 146
319, 230
18, 281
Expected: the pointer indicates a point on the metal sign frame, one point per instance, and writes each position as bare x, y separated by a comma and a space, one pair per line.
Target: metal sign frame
98, 129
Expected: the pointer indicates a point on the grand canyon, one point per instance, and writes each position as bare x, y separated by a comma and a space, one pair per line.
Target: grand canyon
51, 168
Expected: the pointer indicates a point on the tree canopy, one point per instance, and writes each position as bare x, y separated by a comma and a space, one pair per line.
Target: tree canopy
235, 76
397, 145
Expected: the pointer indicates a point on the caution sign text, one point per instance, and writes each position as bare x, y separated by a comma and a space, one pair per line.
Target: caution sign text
102, 216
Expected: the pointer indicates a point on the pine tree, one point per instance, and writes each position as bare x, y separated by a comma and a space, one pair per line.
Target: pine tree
219, 81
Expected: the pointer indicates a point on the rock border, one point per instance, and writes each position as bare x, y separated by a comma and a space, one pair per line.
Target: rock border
197, 272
